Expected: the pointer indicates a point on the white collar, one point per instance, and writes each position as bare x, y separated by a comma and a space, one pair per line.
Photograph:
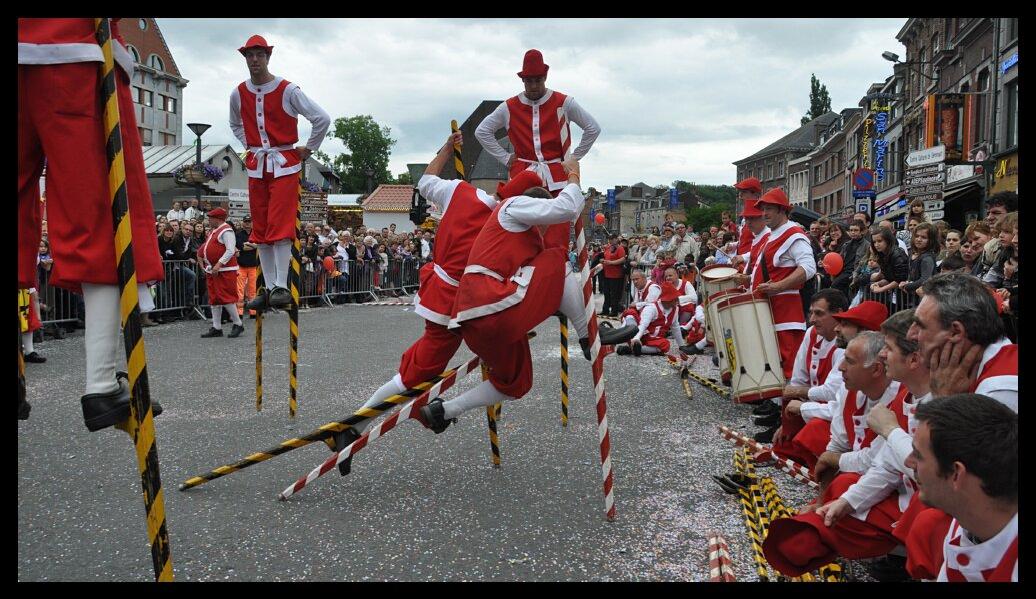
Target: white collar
757, 238
525, 100
991, 350
265, 88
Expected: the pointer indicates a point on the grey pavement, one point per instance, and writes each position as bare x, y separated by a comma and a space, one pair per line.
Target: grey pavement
417, 506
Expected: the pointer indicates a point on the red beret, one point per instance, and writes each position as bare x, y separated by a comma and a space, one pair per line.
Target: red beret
217, 213
868, 315
256, 41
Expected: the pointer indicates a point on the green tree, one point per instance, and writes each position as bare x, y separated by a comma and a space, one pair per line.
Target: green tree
404, 179
819, 100
369, 146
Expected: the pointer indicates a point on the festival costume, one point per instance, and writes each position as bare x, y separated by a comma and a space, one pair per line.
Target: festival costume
994, 560
640, 298
813, 364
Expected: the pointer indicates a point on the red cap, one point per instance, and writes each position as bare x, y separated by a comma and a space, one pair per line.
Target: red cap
751, 209
217, 213
868, 315
517, 186
775, 196
256, 41
750, 184
669, 293
533, 65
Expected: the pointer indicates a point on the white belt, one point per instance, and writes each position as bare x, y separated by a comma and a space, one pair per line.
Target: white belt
445, 277
479, 269
522, 277
273, 153
541, 168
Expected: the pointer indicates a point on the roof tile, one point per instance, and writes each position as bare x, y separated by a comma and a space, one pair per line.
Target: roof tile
389, 198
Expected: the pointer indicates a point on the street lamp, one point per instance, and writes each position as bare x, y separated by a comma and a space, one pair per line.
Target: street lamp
893, 57
198, 129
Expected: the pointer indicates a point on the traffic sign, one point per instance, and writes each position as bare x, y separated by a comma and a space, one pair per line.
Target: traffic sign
925, 179
933, 205
864, 194
924, 170
935, 214
928, 196
863, 179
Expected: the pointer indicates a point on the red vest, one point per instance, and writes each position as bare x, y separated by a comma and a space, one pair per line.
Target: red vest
496, 256
640, 295
539, 133
1004, 363
461, 223
744, 241
754, 251
67, 40
662, 322
854, 415
819, 361
267, 125
787, 305
986, 562
213, 249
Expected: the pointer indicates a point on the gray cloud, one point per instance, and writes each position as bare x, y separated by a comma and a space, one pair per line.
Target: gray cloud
676, 98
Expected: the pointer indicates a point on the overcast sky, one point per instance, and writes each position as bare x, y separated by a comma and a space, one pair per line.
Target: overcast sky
675, 98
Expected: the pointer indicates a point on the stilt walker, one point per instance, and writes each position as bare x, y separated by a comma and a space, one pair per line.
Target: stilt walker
140, 425
264, 111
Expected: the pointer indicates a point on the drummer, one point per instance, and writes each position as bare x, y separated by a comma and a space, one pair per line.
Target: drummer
758, 233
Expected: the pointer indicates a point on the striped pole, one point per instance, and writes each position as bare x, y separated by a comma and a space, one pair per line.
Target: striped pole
564, 369
458, 164
384, 304
140, 425
383, 427
721, 568
494, 440
323, 433
21, 371
831, 572
751, 524
259, 342
294, 280
597, 369
798, 472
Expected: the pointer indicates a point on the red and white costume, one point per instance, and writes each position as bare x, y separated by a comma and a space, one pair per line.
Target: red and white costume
60, 120
814, 363
220, 246
539, 133
998, 373
464, 210
511, 284
264, 118
994, 560
640, 298
656, 323
753, 250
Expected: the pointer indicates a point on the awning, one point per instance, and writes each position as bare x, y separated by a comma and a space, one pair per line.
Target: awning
961, 192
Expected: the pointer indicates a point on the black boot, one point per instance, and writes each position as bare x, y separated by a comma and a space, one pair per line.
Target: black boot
891, 568
280, 298
690, 350
765, 407
101, 410
584, 344
236, 330
768, 419
623, 350
636, 347
35, 358
434, 416
342, 440
260, 302
213, 332
612, 336
767, 435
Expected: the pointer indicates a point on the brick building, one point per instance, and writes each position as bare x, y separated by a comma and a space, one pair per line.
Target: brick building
157, 85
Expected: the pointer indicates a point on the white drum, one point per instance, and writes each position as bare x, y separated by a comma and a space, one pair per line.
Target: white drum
748, 338
714, 321
716, 278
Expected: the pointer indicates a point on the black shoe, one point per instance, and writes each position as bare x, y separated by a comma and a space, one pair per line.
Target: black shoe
604, 324
260, 302
584, 343
768, 419
236, 330
690, 350
619, 335
213, 332
765, 408
280, 298
623, 350
35, 358
726, 485
891, 568
23, 410
715, 360
342, 440
767, 435
636, 347
434, 416
101, 410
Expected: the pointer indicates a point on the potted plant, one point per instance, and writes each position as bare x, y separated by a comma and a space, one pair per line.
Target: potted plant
193, 174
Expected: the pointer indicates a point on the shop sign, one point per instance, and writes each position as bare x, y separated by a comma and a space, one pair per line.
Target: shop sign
926, 156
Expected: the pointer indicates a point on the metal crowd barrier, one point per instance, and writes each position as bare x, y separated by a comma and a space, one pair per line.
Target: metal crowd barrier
893, 299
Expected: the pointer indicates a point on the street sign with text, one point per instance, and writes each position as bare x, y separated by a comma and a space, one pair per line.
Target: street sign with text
927, 156
935, 214
933, 205
927, 196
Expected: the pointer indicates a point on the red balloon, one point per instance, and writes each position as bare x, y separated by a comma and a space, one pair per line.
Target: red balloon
599, 218
833, 263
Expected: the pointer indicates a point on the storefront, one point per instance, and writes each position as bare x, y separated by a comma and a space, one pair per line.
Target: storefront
343, 211
1005, 173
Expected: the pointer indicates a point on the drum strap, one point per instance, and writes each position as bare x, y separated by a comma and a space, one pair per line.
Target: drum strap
766, 273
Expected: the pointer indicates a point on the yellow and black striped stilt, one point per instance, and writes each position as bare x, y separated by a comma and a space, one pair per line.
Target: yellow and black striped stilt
494, 440
323, 433
140, 425
21, 369
748, 508
719, 389
564, 369
458, 163
260, 289
294, 280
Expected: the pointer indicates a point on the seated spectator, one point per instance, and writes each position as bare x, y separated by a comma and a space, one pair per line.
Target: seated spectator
966, 461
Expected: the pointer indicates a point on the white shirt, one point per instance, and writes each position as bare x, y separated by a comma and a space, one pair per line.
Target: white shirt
798, 253
648, 315
295, 102
175, 215
756, 238
342, 254
426, 248
229, 240
653, 293
192, 212
839, 442
485, 133
979, 557
440, 191
522, 212
1002, 388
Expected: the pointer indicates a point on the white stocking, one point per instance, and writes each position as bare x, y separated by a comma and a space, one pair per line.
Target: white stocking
485, 394
102, 336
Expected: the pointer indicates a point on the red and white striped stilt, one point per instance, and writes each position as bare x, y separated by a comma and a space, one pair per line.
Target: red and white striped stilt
597, 368
797, 471
397, 303
721, 569
383, 427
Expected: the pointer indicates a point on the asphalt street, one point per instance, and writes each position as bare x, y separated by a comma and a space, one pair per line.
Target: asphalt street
417, 506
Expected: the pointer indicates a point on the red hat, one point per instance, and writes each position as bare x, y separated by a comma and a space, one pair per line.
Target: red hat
533, 65
868, 315
517, 186
751, 209
217, 213
256, 41
669, 293
775, 196
750, 184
